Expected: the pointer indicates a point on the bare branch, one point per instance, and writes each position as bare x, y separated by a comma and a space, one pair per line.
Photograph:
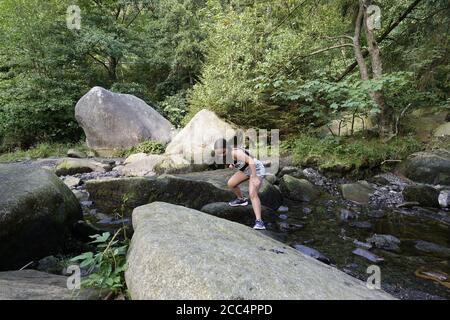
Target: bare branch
99, 61
134, 18
318, 52
382, 37
338, 37
286, 18
327, 49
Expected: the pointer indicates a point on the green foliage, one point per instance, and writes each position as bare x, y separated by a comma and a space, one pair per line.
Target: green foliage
262, 69
256, 63
351, 153
35, 109
146, 48
439, 143
39, 83
148, 146
322, 100
174, 108
42, 150
135, 89
107, 264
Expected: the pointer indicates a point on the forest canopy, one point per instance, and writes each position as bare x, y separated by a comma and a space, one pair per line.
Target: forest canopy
287, 64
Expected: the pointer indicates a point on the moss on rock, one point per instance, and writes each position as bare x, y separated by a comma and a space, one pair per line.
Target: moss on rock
37, 210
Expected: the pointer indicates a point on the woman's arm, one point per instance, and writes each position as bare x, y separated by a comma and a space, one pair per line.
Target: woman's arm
240, 155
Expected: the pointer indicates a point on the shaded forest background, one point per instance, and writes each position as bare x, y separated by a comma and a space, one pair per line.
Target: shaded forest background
271, 64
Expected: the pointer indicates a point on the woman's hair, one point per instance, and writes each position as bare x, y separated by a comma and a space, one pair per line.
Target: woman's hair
220, 144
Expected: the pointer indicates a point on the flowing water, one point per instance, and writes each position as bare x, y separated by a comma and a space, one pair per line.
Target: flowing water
322, 230
408, 273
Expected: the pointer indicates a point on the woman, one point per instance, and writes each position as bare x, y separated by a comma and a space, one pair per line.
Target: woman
249, 168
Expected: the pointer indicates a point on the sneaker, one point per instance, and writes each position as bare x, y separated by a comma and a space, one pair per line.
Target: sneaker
259, 225
238, 202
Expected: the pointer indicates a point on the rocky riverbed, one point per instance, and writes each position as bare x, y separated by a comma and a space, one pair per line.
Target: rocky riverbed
347, 224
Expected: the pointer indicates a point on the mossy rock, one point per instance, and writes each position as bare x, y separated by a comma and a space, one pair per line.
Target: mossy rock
111, 195
298, 189
424, 122
425, 195
37, 211
193, 190
73, 153
73, 166
432, 167
357, 192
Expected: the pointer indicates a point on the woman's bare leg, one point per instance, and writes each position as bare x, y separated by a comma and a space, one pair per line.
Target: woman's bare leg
253, 189
234, 182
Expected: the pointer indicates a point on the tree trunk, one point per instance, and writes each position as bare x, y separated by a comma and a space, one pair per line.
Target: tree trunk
377, 66
112, 69
377, 73
357, 45
385, 34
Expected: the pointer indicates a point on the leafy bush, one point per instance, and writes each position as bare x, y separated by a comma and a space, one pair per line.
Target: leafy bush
135, 89
322, 99
107, 264
348, 153
36, 109
148, 146
175, 108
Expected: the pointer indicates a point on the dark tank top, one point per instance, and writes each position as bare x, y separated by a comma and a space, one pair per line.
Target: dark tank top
240, 165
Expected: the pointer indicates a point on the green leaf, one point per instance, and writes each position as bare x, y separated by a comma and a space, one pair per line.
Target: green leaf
87, 262
83, 256
101, 238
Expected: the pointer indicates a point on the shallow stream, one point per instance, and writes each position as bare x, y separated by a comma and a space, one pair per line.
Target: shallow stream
323, 231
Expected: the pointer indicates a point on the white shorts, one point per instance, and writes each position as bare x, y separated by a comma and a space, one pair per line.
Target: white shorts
260, 170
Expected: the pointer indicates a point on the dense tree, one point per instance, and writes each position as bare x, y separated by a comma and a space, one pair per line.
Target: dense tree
42, 76
299, 55
288, 64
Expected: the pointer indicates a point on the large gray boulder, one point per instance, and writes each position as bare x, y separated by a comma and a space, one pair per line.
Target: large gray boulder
196, 140
432, 167
111, 194
37, 285
193, 190
180, 253
141, 164
196, 189
36, 212
113, 121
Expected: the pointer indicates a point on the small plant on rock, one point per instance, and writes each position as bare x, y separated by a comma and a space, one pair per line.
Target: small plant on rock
106, 266
149, 146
